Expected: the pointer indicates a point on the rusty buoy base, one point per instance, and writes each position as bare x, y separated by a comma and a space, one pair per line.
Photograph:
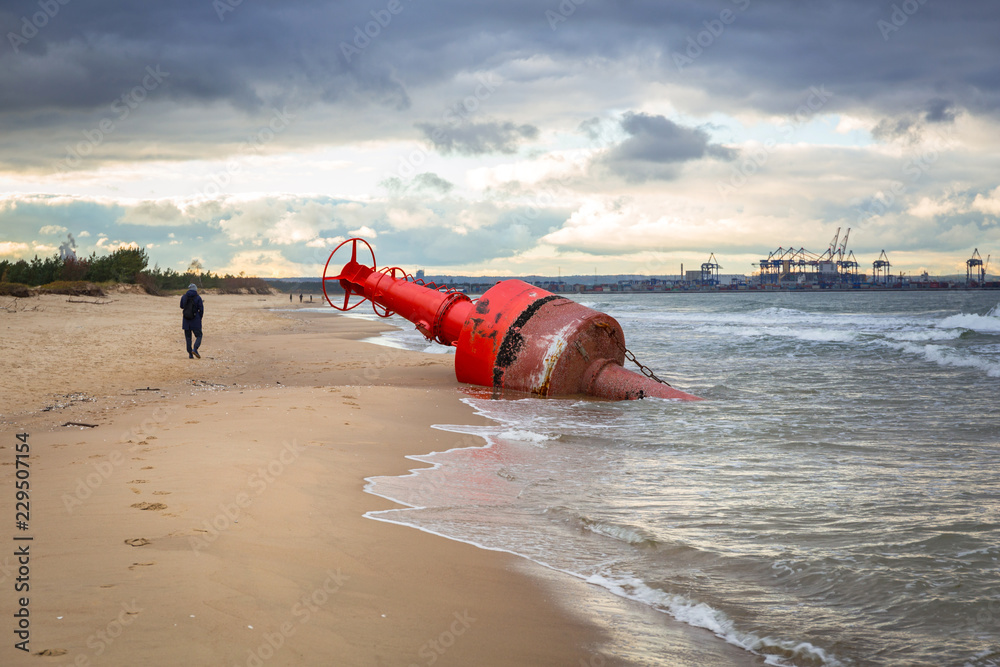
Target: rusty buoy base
611, 380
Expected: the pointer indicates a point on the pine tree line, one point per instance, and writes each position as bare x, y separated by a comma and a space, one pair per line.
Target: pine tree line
124, 265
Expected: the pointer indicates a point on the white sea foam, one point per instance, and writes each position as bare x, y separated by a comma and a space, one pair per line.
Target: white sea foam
988, 323
626, 534
701, 615
915, 336
822, 335
945, 356
818, 335
984, 550
439, 349
525, 436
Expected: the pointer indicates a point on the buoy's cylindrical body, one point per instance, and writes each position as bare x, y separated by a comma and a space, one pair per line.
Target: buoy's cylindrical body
523, 338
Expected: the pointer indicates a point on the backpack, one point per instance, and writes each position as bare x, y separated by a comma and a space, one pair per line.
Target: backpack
189, 306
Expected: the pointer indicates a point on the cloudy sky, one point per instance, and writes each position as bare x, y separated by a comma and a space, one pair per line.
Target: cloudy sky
514, 137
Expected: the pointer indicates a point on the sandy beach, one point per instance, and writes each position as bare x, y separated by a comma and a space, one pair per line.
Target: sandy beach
210, 511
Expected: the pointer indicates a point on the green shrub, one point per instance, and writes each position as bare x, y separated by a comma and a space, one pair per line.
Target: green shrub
19, 290
72, 288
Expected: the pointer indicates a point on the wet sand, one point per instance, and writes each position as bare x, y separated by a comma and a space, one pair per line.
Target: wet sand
210, 511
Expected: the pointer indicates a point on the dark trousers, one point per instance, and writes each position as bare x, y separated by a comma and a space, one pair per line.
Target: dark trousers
197, 339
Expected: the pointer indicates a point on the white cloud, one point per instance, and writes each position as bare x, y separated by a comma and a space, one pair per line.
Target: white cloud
154, 213
291, 228
989, 204
52, 230
554, 165
633, 225
278, 219
847, 124
364, 232
267, 264
928, 208
13, 248
321, 242
409, 215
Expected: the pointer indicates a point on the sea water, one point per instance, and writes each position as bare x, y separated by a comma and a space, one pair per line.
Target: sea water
834, 501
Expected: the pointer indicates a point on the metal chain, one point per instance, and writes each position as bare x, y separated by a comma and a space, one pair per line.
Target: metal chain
631, 357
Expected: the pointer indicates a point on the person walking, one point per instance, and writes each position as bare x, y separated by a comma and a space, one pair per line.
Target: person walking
193, 307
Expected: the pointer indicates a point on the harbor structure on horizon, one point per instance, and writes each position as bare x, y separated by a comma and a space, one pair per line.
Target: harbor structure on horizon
710, 272
974, 267
881, 269
836, 266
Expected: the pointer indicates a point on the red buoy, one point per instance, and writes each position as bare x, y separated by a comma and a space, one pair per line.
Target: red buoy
514, 337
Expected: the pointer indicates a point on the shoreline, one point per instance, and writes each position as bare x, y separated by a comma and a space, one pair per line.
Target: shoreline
215, 511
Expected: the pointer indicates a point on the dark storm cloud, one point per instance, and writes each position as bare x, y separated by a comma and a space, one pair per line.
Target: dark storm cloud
433, 182
255, 54
478, 138
889, 57
913, 57
656, 146
894, 128
424, 183
940, 111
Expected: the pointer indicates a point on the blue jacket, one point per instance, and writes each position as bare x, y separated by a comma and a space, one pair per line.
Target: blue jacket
199, 310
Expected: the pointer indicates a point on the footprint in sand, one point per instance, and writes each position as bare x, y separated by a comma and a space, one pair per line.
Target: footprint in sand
161, 493
147, 467
149, 506
138, 481
50, 652
137, 542
135, 490
135, 565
